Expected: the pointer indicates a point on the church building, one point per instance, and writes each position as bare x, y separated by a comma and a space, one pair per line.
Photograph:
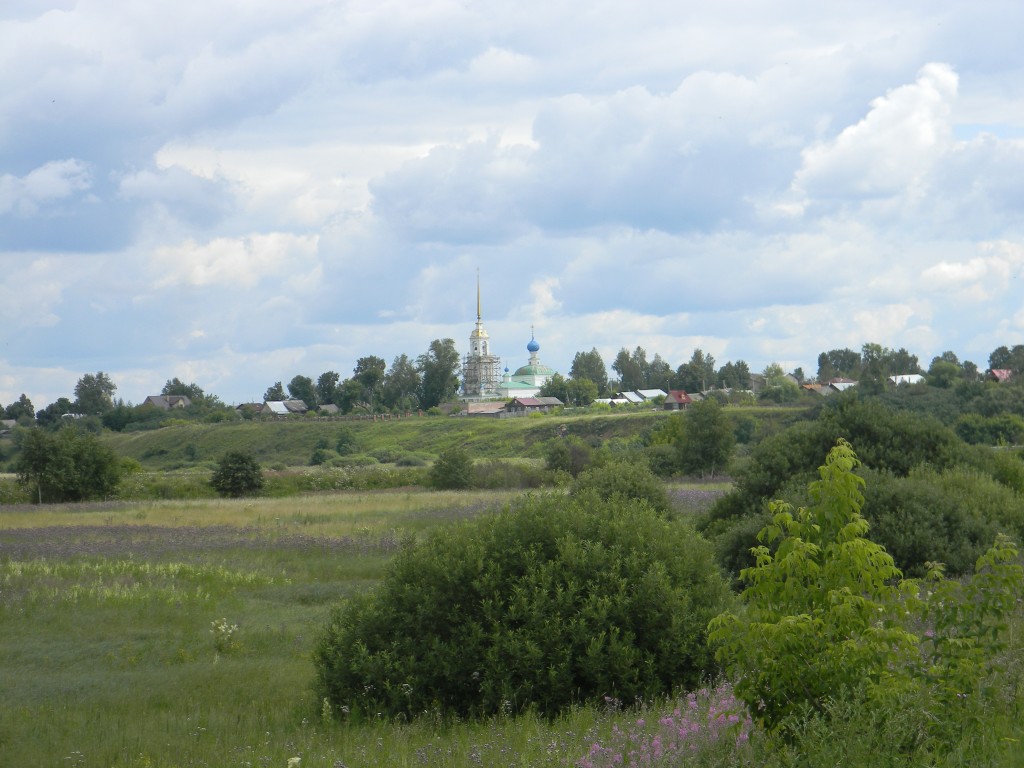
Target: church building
527, 380
482, 377
481, 371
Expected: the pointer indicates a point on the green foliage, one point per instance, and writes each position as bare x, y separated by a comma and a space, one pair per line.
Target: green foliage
707, 440
237, 474
453, 470
827, 614
949, 516
94, 394
1002, 429
568, 454
541, 606
346, 441
623, 482
438, 369
70, 465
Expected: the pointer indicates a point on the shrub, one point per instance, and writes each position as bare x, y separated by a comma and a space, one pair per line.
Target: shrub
322, 455
71, 465
504, 473
949, 517
568, 454
623, 482
827, 616
548, 603
453, 470
237, 474
346, 442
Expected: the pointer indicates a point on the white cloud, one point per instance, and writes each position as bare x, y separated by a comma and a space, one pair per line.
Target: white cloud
891, 150
243, 262
54, 181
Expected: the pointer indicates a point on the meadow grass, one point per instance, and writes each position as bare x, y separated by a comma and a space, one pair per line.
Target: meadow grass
180, 634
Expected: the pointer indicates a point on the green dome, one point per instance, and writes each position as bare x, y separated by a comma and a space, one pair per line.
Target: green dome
535, 370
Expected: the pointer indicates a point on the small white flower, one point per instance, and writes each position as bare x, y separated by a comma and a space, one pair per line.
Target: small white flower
293, 762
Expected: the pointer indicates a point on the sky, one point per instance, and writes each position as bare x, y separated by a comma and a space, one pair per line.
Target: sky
234, 193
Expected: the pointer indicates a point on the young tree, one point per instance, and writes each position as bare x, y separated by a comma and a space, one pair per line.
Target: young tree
707, 439
453, 470
50, 416
828, 614
327, 388
94, 394
274, 393
400, 384
581, 392
590, 365
21, 408
237, 474
369, 372
439, 373
632, 368
70, 465
176, 386
698, 375
301, 388
556, 386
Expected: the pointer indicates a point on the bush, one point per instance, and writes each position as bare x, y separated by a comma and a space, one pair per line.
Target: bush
546, 604
623, 482
346, 442
71, 465
237, 474
503, 473
568, 454
827, 616
453, 470
949, 517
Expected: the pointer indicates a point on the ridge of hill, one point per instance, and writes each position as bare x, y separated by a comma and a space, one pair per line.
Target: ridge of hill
291, 442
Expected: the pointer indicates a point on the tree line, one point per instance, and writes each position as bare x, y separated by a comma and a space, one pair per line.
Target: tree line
432, 378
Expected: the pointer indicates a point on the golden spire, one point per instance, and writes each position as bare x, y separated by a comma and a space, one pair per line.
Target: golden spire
478, 294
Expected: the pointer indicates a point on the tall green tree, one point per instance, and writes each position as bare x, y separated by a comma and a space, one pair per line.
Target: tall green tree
556, 386
327, 387
274, 393
632, 368
237, 474
734, 375
50, 416
838, 363
707, 440
69, 465
697, 375
439, 373
21, 408
94, 394
176, 386
401, 383
370, 372
302, 388
660, 374
581, 392
590, 365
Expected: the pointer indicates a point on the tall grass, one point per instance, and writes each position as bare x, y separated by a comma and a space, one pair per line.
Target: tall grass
110, 653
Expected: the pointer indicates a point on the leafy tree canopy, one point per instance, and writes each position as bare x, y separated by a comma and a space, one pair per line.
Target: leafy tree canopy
69, 465
237, 474
94, 394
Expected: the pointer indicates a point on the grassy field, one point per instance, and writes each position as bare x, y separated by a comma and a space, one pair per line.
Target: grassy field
291, 442
179, 634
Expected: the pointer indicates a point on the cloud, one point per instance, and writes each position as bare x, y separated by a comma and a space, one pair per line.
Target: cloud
892, 149
55, 181
247, 194
242, 262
